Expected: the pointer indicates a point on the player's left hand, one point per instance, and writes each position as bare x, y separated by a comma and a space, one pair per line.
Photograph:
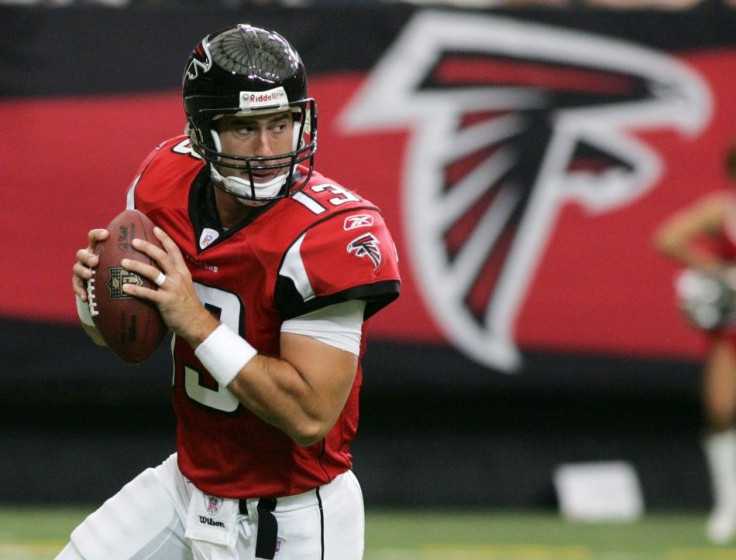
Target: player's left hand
175, 297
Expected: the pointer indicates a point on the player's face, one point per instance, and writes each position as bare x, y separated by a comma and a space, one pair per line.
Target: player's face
257, 136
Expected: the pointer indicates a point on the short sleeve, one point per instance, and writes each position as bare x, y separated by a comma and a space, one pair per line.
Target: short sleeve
350, 255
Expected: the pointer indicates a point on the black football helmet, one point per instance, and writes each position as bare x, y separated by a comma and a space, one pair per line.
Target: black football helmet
245, 70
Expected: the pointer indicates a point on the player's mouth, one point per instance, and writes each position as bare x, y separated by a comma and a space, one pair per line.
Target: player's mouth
263, 176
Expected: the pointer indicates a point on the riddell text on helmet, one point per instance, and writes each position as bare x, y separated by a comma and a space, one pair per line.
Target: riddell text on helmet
273, 98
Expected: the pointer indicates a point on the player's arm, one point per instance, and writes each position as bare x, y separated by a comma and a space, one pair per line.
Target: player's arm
301, 392
677, 238
82, 272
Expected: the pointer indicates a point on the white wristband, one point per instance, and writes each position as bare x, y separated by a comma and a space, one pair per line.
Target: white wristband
224, 354
84, 314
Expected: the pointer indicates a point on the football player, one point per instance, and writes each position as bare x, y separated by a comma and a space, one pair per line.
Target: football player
268, 273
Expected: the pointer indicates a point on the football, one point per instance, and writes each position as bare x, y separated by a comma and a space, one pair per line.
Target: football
132, 327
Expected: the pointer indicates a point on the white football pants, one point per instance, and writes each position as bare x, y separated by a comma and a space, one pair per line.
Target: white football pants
147, 519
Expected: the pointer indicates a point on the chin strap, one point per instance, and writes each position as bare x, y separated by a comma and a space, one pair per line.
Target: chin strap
241, 188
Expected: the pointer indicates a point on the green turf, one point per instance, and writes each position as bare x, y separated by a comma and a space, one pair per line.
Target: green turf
38, 533
535, 536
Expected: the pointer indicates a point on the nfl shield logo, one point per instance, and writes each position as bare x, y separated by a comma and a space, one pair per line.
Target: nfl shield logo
207, 236
212, 504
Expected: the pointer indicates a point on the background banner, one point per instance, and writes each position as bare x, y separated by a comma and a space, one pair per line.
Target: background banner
521, 157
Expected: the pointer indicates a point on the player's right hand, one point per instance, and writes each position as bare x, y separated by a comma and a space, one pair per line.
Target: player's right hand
176, 298
86, 261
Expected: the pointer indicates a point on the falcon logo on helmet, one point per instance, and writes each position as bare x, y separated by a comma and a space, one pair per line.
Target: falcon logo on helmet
200, 60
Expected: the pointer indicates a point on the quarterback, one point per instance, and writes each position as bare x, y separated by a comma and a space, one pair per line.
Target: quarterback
267, 275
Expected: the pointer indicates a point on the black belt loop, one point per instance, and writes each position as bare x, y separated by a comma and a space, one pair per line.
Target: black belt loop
267, 529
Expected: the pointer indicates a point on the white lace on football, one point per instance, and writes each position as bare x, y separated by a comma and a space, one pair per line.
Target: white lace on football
84, 312
92, 297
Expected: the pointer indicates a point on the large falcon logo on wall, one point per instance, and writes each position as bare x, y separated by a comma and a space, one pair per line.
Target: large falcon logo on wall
510, 121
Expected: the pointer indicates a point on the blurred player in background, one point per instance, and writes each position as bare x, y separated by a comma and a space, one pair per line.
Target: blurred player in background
268, 273
702, 238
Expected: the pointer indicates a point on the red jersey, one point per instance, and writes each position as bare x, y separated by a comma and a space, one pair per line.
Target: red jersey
321, 246
727, 241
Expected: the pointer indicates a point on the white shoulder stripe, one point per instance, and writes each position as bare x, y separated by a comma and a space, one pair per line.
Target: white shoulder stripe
130, 196
309, 202
293, 267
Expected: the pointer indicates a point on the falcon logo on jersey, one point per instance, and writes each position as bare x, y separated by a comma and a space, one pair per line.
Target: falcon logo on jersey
366, 246
357, 221
510, 122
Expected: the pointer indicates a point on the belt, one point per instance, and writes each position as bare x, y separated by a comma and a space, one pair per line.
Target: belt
267, 524
268, 527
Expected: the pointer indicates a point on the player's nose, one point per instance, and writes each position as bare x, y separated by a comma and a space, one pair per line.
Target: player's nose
263, 144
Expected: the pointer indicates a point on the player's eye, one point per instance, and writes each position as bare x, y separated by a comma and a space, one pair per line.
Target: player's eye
279, 126
245, 129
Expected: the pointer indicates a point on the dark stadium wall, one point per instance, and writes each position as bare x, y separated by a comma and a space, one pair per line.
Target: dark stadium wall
536, 324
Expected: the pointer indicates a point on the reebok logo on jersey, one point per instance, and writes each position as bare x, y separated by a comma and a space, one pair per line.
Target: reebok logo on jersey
359, 220
366, 246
